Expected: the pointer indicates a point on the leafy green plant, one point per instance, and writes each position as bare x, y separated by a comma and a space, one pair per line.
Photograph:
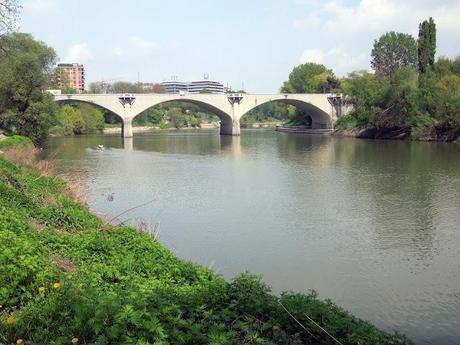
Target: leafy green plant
67, 275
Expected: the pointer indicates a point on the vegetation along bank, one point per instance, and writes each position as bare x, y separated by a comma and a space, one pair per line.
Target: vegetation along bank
67, 276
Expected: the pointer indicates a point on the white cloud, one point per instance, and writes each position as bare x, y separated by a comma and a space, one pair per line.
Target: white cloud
135, 46
79, 52
141, 43
42, 7
340, 61
379, 15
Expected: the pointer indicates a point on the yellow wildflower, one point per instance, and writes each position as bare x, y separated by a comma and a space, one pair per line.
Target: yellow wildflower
19, 342
41, 289
56, 285
74, 340
10, 321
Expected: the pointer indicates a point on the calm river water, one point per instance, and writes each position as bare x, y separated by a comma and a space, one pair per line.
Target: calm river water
373, 225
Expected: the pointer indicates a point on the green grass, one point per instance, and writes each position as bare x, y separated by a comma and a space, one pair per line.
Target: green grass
15, 140
118, 286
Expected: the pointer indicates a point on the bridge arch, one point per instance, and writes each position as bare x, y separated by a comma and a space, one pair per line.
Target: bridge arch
320, 118
226, 124
94, 104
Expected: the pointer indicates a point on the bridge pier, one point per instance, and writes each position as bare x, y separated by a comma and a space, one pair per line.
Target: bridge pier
127, 129
229, 127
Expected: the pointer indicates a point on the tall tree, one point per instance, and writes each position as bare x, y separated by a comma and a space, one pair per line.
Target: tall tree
25, 70
426, 44
393, 50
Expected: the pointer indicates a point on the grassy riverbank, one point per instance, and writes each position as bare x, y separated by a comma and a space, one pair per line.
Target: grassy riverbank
67, 275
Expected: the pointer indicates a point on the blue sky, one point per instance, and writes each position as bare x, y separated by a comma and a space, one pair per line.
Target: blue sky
255, 42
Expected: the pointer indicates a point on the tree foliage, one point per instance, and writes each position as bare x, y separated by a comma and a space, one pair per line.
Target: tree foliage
80, 119
60, 81
25, 69
426, 44
307, 78
125, 87
393, 50
424, 107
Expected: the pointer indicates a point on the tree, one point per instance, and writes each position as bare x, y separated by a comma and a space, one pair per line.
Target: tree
126, 87
367, 96
426, 44
177, 118
158, 88
306, 78
93, 118
60, 81
71, 119
25, 70
393, 50
456, 65
9, 11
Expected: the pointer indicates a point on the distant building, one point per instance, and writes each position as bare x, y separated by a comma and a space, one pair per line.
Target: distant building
175, 86
197, 86
75, 75
208, 86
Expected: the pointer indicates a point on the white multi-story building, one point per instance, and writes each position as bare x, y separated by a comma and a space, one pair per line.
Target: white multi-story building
208, 86
197, 86
175, 86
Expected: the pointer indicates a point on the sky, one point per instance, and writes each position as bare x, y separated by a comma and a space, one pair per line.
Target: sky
250, 43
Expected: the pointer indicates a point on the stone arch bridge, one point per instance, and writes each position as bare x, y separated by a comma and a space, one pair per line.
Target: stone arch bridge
324, 109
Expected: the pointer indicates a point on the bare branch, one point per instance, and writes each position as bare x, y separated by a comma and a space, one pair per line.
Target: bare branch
9, 14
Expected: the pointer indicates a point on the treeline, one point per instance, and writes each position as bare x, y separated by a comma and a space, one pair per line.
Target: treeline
409, 94
125, 87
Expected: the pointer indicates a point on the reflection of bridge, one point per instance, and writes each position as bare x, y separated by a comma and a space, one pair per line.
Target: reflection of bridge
323, 108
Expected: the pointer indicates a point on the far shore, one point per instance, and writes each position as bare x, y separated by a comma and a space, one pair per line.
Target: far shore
142, 129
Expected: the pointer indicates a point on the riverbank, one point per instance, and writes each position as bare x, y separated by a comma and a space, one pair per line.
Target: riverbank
71, 275
261, 125
303, 130
144, 129
396, 134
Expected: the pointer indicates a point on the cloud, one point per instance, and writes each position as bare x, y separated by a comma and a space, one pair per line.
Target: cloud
42, 7
135, 46
380, 15
79, 52
140, 43
337, 58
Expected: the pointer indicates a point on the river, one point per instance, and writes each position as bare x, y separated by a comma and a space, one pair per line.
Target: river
373, 225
